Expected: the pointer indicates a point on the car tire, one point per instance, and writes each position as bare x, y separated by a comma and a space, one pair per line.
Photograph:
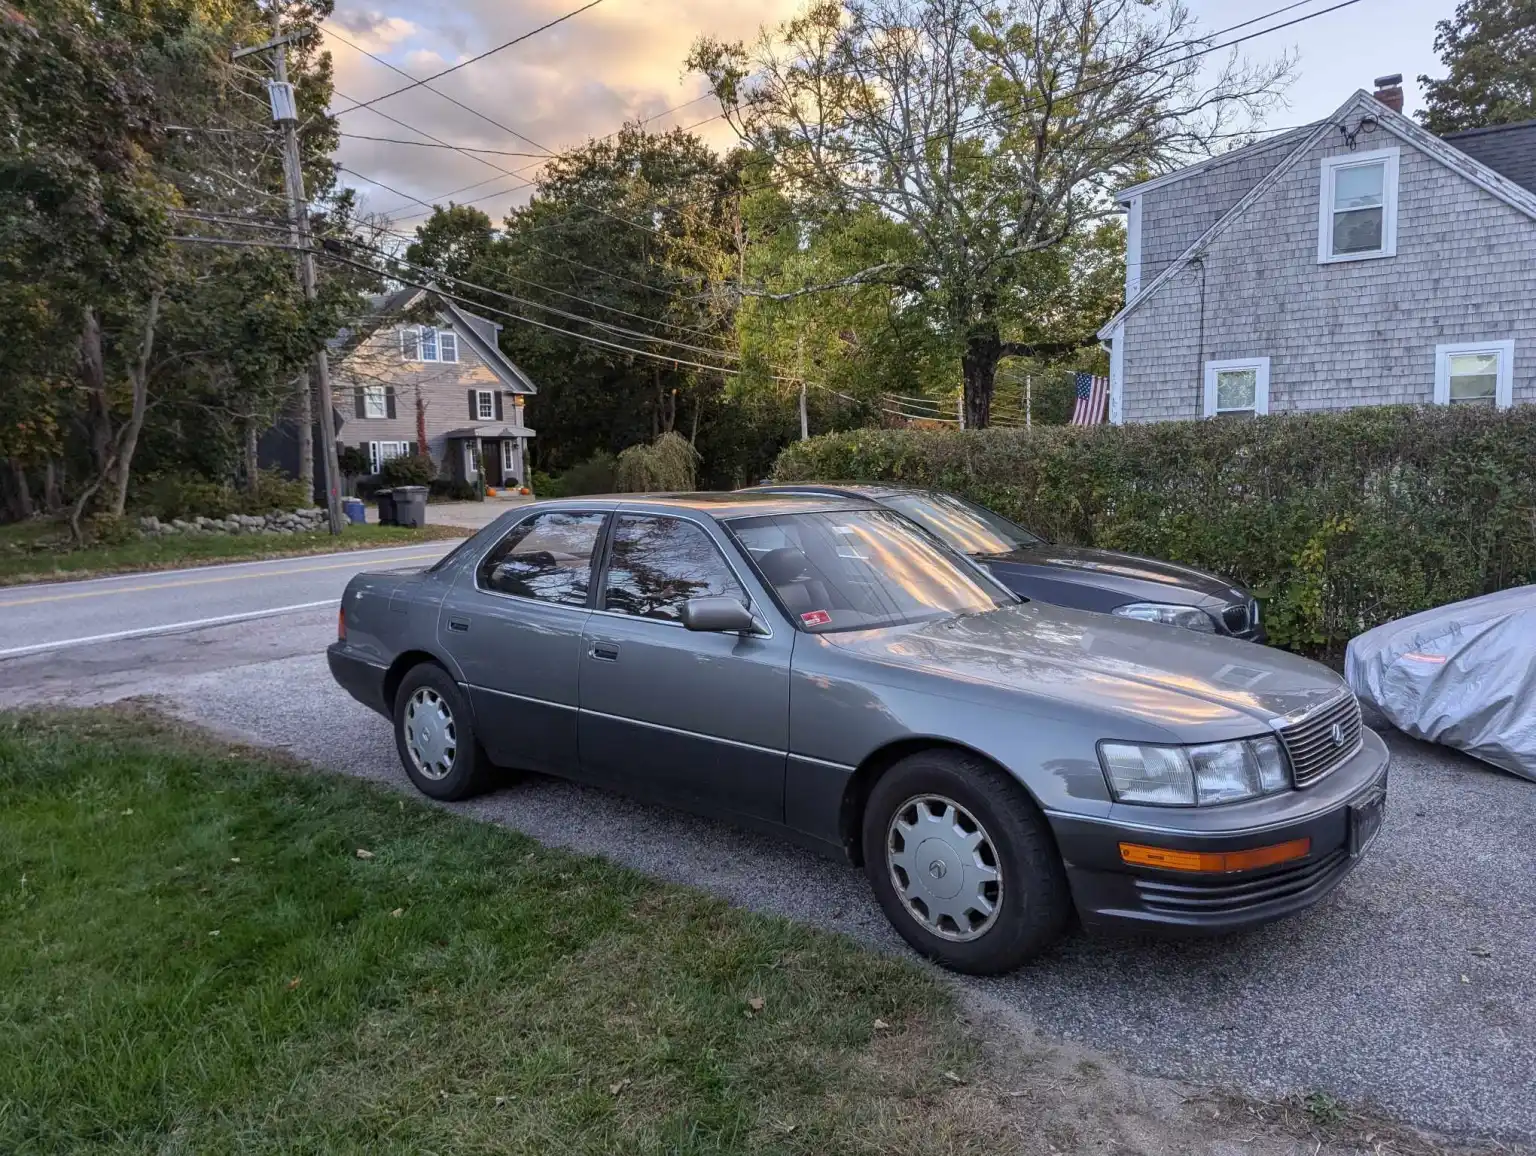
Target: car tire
946, 799
435, 736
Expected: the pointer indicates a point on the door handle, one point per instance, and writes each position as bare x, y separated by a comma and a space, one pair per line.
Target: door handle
459, 624
607, 651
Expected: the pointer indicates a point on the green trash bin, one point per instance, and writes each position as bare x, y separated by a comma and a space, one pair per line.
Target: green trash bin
410, 505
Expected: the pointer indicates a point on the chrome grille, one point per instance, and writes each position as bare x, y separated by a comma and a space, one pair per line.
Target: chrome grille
1235, 618
1315, 747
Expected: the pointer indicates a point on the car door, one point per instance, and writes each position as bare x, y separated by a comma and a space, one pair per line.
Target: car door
513, 623
696, 717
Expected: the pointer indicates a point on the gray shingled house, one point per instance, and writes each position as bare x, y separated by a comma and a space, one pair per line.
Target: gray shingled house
1357, 261
470, 393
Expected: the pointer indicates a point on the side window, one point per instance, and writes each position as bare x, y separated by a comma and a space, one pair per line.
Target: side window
548, 557
655, 564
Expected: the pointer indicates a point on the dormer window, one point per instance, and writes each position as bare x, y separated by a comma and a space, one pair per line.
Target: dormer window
1357, 219
426, 343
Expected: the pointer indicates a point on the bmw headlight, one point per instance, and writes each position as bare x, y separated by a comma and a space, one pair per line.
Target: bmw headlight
1169, 614
1194, 776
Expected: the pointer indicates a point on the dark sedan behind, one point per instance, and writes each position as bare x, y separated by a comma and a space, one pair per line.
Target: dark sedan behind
1082, 577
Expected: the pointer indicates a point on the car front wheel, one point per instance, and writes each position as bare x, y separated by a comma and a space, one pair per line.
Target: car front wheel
435, 736
963, 863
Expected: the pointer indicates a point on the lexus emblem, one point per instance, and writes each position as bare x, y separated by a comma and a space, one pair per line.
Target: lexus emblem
1337, 734
936, 868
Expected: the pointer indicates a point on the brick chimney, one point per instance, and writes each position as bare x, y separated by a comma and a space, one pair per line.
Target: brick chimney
1389, 90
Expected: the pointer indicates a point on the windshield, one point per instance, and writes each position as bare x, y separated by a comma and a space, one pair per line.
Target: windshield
860, 569
969, 528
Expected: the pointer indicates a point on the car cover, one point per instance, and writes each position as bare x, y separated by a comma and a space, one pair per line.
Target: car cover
1463, 675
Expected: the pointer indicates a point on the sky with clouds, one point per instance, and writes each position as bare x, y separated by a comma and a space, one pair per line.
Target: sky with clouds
623, 60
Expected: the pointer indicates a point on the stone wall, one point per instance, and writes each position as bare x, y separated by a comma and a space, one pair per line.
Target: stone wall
278, 522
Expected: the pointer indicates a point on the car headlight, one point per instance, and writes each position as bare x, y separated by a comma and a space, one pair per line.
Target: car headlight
1169, 614
1194, 776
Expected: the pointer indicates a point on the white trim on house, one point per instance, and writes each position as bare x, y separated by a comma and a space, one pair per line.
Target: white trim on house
1133, 248
485, 405
1213, 370
1117, 377
471, 459
375, 403
448, 342
1504, 386
1363, 102
1327, 209
429, 344
381, 452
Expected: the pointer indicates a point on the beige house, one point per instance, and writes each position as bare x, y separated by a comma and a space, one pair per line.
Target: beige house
446, 373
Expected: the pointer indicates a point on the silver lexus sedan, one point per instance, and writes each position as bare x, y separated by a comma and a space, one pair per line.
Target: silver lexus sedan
825, 669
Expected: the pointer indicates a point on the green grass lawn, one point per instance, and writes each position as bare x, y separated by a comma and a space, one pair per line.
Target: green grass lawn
40, 551
204, 952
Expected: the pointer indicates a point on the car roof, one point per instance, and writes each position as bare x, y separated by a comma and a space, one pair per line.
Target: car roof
866, 490
722, 505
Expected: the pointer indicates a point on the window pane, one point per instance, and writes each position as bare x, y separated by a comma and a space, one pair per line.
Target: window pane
1474, 387
447, 346
548, 557
657, 564
1358, 231
1236, 388
375, 403
428, 343
1359, 187
410, 348
1474, 364
969, 529
861, 569
485, 403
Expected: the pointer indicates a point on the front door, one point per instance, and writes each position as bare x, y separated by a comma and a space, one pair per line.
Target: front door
514, 626
697, 717
493, 471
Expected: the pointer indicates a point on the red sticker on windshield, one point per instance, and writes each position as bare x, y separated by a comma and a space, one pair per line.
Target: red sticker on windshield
815, 618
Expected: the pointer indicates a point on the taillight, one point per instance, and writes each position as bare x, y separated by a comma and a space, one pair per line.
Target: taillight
341, 624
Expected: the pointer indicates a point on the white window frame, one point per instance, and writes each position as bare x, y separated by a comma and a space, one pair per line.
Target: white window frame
471, 459
508, 457
485, 399
413, 342
1260, 366
375, 394
1388, 158
377, 453
410, 343
1504, 386
447, 340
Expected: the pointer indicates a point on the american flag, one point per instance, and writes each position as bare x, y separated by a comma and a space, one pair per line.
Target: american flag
1092, 400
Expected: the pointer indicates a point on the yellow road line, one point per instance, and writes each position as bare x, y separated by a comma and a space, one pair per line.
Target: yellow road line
197, 581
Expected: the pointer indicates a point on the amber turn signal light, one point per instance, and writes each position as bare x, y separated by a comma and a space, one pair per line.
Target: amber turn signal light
1214, 862
341, 624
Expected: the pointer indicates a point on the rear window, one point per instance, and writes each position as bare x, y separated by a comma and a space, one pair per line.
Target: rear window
969, 528
861, 569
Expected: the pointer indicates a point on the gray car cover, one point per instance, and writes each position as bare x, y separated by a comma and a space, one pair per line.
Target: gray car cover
1463, 675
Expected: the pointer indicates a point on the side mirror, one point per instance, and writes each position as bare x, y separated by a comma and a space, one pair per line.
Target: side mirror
717, 614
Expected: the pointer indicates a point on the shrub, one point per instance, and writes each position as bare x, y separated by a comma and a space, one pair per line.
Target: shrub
170, 496
667, 464
593, 476
452, 490
544, 485
408, 470
1338, 521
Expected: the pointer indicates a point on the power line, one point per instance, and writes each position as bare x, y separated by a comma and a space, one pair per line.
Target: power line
473, 59
422, 144
450, 99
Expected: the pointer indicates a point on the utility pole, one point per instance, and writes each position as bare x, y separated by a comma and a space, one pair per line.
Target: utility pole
1029, 397
285, 114
805, 423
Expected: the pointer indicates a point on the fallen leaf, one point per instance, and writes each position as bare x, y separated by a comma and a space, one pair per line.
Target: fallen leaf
1482, 951
214, 934
1464, 979
953, 1078
129, 811
756, 1003
235, 860
364, 854
293, 983
881, 1025
397, 913
500, 1100
615, 1089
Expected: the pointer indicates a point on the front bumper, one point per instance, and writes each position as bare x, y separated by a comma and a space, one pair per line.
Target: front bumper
362, 680
1110, 894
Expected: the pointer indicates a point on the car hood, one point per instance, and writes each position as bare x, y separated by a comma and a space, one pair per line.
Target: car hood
1187, 683
1130, 574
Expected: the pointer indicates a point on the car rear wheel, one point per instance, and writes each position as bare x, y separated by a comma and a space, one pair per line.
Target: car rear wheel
435, 736
963, 863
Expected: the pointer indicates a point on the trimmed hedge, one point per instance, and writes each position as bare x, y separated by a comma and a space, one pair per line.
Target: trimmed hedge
1338, 521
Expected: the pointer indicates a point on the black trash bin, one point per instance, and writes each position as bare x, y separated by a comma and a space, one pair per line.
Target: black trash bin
410, 505
386, 501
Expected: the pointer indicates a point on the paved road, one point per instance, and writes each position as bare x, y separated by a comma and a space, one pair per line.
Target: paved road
1413, 986
62, 615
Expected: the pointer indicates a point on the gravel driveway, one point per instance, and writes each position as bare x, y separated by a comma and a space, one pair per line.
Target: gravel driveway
1413, 986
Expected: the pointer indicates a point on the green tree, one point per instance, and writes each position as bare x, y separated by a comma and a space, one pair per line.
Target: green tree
1489, 50
992, 131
